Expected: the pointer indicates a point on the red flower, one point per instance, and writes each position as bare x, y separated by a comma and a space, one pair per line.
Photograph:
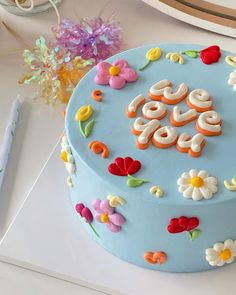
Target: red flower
181, 224
84, 212
124, 166
210, 54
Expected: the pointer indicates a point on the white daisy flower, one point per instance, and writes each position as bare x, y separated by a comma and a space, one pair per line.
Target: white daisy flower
197, 185
232, 79
66, 156
221, 253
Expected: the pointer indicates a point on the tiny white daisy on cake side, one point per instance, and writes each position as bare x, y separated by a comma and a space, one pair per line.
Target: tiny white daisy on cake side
221, 253
197, 185
232, 79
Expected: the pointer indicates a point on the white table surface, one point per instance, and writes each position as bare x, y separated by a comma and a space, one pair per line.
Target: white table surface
40, 126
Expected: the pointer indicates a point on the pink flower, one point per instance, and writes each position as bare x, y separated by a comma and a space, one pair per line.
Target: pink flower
115, 74
106, 214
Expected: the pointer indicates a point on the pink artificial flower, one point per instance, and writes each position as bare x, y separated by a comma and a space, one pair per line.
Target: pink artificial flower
116, 74
106, 214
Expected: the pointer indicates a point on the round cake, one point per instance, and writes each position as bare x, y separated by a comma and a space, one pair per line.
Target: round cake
149, 147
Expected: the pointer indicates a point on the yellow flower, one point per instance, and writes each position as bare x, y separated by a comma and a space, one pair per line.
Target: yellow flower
153, 54
84, 113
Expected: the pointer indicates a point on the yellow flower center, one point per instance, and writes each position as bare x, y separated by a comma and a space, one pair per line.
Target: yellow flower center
114, 70
104, 218
64, 156
225, 254
197, 181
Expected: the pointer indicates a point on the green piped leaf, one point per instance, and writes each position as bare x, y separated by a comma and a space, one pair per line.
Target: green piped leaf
89, 128
134, 182
194, 234
190, 53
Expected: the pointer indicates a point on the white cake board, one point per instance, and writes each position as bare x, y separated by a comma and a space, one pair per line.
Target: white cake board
46, 236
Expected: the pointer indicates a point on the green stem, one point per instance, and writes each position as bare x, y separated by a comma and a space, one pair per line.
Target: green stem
81, 128
197, 51
144, 67
93, 229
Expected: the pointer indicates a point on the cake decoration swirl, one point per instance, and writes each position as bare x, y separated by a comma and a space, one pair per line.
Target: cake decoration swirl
115, 201
157, 90
97, 95
230, 186
157, 191
116, 74
231, 60
197, 185
104, 213
221, 253
159, 257
175, 57
99, 147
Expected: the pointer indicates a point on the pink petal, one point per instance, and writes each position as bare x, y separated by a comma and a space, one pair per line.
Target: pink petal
130, 75
121, 63
117, 82
102, 79
112, 227
98, 217
106, 208
117, 219
103, 67
96, 206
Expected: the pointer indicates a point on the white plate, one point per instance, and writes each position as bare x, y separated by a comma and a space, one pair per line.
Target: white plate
214, 15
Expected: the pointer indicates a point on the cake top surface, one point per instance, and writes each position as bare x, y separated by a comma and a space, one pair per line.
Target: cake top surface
162, 167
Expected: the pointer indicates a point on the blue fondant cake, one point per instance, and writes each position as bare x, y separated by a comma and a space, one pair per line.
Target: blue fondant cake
151, 156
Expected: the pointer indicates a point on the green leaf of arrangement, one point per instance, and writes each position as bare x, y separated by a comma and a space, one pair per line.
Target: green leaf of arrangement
89, 128
134, 182
194, 234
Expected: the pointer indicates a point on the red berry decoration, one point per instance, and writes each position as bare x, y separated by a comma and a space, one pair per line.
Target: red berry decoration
181, 224
210, 54
124, 166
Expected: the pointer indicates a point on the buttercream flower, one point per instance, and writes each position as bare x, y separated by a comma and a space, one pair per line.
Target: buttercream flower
107, 215
124, 166
210, 54
84, 113
67, 156
197, 185
221, 253
86, 214
232, 79
116, 74
152, 54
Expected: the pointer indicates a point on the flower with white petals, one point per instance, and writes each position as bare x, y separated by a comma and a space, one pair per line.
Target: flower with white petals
66, 156
197, 185
232, 79
221, 253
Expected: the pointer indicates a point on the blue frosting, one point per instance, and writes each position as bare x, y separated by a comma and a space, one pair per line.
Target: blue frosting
147, 217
